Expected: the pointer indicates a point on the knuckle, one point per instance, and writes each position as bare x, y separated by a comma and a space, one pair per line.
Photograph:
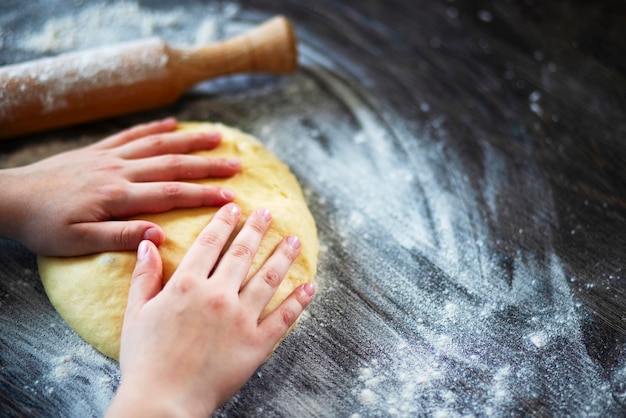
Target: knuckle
110, 167
288, 317
172, 190
241, 251
184, 283
114, 192
218, 302
124, 238
174, 161
241, 318
209, 240
271, 277
154, 141
257, 227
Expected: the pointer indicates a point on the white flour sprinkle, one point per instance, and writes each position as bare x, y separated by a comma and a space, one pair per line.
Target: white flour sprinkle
453, 338
539, 339
107, 23
98, 24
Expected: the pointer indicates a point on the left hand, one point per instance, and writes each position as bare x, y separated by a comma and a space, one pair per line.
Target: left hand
73, 203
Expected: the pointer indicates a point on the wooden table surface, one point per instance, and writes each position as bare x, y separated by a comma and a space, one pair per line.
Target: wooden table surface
465, 163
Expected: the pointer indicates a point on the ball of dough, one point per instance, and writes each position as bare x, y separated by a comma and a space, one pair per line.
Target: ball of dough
90, 292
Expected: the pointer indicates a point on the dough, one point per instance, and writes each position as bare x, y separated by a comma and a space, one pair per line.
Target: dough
90, 292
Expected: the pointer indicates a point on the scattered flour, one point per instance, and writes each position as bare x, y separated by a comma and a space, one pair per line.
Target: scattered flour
533, 102
539, 339
105, 23
485, 15
468, 342
96, 24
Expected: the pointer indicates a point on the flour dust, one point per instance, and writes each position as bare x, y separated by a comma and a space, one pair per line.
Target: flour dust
463, 328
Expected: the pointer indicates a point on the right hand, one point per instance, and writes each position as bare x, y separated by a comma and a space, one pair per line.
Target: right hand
188, 348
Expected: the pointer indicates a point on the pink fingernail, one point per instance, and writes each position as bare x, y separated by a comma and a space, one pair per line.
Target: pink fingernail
293, 241
153, 234
233, 162
234, 209
263, 214
142, 251
169, 120
212, 135
309, 289
227, 194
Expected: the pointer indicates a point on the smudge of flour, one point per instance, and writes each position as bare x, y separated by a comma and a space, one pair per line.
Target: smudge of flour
101, 23
428, 375
62, 369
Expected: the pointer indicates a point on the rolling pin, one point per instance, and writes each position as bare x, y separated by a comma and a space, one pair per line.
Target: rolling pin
123, 78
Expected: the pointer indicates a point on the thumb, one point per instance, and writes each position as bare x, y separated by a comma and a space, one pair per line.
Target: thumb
118, 235
146, 279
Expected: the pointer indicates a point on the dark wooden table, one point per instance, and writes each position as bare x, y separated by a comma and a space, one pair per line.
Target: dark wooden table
465, 162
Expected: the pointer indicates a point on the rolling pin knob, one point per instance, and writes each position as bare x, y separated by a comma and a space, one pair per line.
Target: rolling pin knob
125, 78
268, 48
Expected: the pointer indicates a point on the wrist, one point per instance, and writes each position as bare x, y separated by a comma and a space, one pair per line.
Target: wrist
133, 400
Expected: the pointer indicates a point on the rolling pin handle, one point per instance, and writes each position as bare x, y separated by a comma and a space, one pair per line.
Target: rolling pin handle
269, 48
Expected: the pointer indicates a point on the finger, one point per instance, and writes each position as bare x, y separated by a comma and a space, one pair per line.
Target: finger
136, 132
278, 322
169, 143
163, 196
116, 235
234, 266
260, 288
180, 167
204, 252
146, 281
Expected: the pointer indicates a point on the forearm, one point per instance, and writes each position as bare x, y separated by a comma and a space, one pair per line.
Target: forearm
12, 204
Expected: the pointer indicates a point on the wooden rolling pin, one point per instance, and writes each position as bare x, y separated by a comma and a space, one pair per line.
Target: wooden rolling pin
110, 81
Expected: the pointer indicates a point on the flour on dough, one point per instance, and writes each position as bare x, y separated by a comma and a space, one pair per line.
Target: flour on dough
90, 292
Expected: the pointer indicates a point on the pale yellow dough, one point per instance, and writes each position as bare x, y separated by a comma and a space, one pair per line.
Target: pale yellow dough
90, 292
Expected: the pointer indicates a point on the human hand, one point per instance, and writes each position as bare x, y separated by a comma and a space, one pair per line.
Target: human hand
187, 349
57, 206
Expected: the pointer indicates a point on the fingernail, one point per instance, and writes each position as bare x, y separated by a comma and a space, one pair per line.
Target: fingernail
233, 162
152, 234
263, 214
309, 289
169, 120
213, 135
142, 251
234, 209
293, 241
227, 194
